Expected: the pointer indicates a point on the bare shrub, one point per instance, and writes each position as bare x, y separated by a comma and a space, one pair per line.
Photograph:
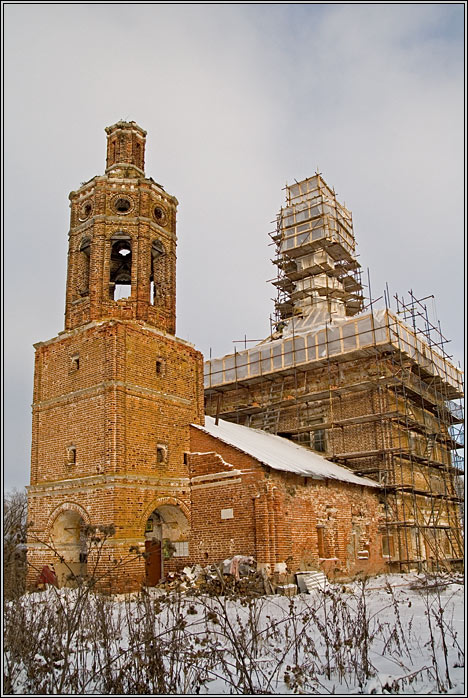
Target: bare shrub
15, 507
231, 640
442, 635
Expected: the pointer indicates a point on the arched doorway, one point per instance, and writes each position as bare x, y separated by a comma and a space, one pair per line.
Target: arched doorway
166, 536
69, 543
153, 551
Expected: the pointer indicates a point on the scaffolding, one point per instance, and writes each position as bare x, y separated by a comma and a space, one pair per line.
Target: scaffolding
372, 395
315, 254
375, 392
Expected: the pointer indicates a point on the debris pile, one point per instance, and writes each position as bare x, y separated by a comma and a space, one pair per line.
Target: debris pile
235, 575
239, 575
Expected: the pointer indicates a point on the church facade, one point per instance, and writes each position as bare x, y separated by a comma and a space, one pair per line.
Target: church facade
120, 449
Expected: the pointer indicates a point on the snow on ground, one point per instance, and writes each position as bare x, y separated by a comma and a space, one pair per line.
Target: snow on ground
396, 634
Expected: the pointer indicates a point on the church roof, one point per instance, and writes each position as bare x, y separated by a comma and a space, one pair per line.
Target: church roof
280, 453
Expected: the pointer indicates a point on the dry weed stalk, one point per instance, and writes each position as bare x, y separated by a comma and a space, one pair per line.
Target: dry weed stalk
155, 642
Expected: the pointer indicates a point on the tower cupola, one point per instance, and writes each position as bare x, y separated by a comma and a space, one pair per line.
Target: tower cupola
122, 240
125, 145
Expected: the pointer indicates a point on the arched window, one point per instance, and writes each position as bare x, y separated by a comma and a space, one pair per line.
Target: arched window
70, 455
157, 252
120, 280
83, 266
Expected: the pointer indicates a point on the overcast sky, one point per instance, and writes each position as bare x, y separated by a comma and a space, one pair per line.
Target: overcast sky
237, 100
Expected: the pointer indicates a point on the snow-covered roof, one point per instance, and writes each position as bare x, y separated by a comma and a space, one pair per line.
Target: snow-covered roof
280, 453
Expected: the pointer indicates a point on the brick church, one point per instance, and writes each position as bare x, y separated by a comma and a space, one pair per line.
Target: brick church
120, 437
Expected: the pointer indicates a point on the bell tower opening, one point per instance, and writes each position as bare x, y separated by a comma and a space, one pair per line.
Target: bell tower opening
157, 252
83, 266
120, 281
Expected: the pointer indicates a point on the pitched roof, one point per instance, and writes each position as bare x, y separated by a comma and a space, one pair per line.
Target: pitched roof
280, 453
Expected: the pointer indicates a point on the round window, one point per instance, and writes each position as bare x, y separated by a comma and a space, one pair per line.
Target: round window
122, 204
159, 214
85, 211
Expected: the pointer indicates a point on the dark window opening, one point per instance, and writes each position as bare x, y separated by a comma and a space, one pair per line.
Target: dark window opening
83, 557
71, 455
83, 266
315, 440
75, 363
157, 252
85, 211
120, 282
161, 454
186, 458
122, 205
287, 435
158, 213
319, 441
159, 367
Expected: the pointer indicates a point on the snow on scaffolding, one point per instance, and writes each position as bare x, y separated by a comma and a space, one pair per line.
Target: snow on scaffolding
381, 329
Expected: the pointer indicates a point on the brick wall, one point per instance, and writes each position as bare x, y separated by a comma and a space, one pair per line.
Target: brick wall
276, 514
134, 390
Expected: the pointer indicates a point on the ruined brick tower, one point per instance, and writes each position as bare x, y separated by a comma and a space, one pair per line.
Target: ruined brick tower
115, 392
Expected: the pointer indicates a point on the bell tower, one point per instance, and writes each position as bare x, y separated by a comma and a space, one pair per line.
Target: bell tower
122, 240
116, 391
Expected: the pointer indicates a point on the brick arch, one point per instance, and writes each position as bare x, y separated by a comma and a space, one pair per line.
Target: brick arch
67, 506
159, 502
85, 238
118, 233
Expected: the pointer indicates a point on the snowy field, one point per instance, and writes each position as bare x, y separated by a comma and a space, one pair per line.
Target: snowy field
398, 634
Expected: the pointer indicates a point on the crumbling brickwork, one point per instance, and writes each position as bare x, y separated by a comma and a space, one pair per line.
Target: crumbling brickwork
277, 516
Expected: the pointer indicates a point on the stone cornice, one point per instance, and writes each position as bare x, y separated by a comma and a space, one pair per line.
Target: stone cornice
112, 384
138, 325
218, 483
110, 480
127, 222
215, 476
